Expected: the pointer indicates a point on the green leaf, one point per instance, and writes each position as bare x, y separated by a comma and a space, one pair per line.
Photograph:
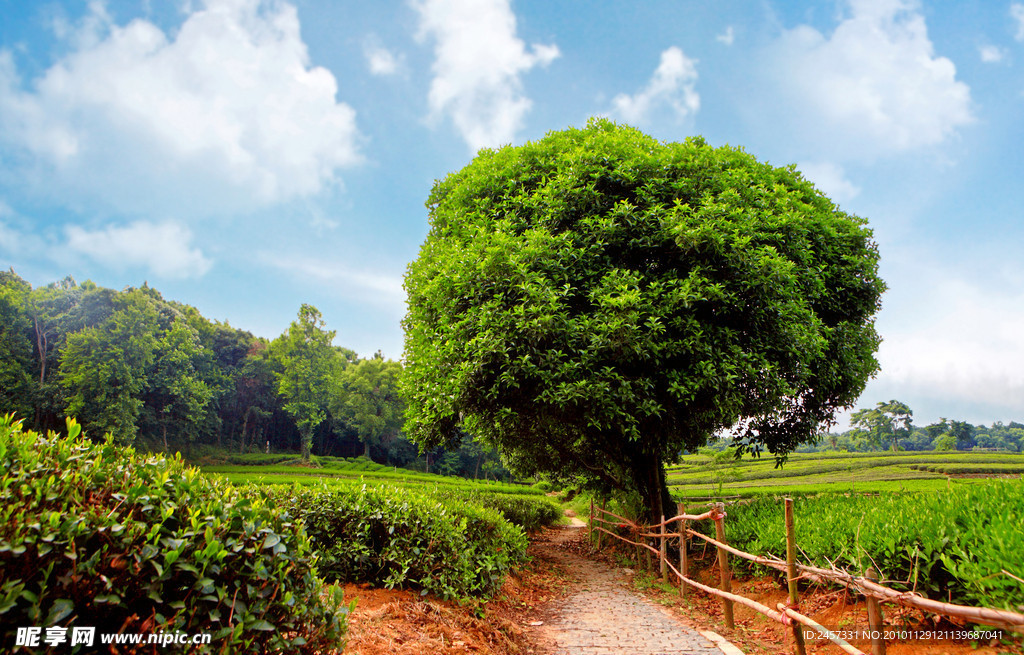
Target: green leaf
59, 610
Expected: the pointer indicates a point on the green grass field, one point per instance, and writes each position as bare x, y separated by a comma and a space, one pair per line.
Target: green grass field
696, 476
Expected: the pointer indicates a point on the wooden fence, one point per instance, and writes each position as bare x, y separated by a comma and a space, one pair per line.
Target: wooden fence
787, 614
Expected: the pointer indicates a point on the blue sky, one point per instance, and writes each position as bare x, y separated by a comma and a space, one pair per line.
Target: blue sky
246, 157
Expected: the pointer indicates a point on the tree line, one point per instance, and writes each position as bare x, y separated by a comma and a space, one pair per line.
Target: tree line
158, 375
890, 426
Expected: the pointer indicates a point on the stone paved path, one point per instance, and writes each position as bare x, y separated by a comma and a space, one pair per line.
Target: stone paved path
603, 616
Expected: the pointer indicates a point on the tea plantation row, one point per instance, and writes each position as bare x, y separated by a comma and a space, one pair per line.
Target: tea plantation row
102, 536
962, 544
699, 476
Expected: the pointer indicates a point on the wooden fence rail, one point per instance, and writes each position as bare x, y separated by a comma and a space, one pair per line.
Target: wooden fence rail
786, 615
783, 617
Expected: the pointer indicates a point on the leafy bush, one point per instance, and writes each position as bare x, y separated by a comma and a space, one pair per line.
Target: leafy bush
98, 535
399, 538
262, 459
528, 512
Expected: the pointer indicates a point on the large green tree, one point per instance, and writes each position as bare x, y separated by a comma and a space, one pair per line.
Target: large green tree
886, 423
17, 389
368, 401
597, 301
961, 432
305, 358
176, 394
104, 368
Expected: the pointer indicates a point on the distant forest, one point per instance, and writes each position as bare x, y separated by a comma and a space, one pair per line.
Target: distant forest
158, 375
944, 435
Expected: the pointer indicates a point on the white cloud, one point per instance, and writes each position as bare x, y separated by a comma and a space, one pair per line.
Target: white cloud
874, 86
380, 60
991, 54
165, 248
1017, 14
831, 179
963, 347
225, 115
728, 37
478, 63
672, 84
378, 288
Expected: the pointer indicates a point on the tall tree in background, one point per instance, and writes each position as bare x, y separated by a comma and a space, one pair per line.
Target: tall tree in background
369, 401
595, 302
17, 388
885, 423
305, 358
175, 392
954, 434
104, 368
255, 393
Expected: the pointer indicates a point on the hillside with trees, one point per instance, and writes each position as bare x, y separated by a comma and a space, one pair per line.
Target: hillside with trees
158, 375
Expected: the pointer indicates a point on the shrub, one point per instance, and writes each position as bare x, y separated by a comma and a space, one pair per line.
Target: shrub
262, 459
98, 535
399, 538
528, 512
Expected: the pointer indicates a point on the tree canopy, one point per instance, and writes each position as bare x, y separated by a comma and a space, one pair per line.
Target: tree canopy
368, 400
885, 423
306, 360
595, 302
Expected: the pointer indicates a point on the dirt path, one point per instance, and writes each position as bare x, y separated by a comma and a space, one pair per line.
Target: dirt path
566, 603
601, 615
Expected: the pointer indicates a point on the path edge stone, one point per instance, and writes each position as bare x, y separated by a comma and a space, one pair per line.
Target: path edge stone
723, 644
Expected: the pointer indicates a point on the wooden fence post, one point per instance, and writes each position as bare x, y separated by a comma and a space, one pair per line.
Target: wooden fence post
684, 564
875, 624
664, 550
648, 564
590, 524
798, 632
723, 565
599, 532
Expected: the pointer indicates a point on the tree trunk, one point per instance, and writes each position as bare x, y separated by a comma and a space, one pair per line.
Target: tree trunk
245, 429
41, 345
307, 442
650, 482
166, 449
366, 449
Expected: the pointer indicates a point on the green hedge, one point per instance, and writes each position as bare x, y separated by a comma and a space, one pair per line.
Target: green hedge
400, 538
528, 512
99, 535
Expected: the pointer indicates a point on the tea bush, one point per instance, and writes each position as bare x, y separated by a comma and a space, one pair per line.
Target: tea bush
528, 512
99, 535
400, 538
963, 543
